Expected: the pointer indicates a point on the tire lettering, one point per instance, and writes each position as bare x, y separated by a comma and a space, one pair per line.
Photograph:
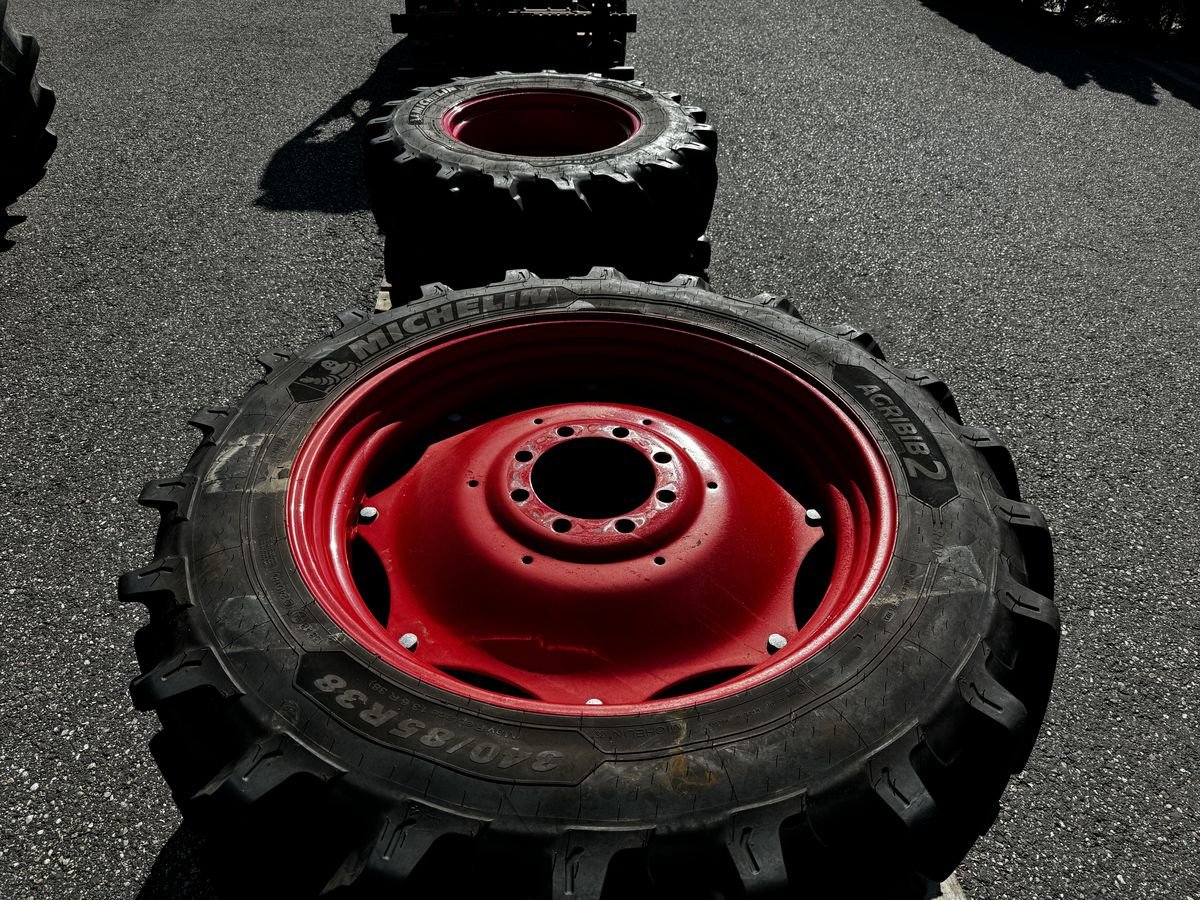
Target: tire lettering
463, 743
378, 715
367, 711
329, 684
437, 737
351, 697
407, 728
926, 466
546, 761
512, 756
915, 469
484, 753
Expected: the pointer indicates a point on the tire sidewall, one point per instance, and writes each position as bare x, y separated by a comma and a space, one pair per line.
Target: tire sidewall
416, 125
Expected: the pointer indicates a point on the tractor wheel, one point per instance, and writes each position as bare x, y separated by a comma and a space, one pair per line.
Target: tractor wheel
623, 590
25, 107
545, 171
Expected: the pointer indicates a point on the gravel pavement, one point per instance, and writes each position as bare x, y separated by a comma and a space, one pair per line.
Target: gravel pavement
1020, 218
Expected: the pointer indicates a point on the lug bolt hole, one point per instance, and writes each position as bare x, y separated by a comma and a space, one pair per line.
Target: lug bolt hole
621, 432
666, 496
662, 457
520, 495
626, 525
566, 431
524, 456
562, 526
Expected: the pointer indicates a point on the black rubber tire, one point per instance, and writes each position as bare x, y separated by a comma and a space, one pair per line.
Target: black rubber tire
878, 760
26, 144
517, 43
478, 6
463, 216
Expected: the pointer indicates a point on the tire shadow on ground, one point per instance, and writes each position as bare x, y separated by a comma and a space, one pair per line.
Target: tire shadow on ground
6, 222
181, 871
1109, 58
320, 169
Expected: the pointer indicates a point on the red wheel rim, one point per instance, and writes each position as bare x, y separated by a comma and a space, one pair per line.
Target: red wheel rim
552, 544
542, 123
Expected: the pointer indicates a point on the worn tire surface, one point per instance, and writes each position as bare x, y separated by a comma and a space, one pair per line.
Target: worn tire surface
26, 144
884, 755
463, 216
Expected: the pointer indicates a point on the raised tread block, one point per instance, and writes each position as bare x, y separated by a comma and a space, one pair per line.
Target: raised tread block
168, 495
190, 670
264, 767
164, 578
998, 458
581, 861
211, 421
938, 390
1027, 604
273, 359
1033, 535
754, 845
987, 696
398, 845
898, 784
777, 301
860, 338
351, 316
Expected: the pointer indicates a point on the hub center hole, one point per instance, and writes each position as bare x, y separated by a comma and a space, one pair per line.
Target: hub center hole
593, 478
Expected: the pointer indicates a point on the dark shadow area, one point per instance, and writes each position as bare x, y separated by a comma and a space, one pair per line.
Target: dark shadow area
6, 222
182, 870
1116, 59
320, 169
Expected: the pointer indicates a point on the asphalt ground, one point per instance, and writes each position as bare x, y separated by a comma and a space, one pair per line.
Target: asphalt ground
1012, 213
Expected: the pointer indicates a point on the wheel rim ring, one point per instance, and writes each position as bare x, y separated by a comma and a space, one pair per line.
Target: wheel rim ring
542, 123
316, 502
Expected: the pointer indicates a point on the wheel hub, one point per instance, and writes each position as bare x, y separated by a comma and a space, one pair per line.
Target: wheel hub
589, 538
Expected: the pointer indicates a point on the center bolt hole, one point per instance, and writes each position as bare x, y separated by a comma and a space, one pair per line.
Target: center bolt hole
593, 478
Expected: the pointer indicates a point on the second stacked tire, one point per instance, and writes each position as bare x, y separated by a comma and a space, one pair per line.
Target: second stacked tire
550, 172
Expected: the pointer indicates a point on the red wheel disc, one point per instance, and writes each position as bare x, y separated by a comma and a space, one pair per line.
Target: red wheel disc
542, 123
582, 515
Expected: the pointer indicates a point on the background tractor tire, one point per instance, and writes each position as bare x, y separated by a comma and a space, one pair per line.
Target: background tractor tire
338, 768
25, 107
556, 173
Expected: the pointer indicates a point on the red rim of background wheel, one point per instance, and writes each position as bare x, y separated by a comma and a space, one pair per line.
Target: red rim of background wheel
591, 515
542, 123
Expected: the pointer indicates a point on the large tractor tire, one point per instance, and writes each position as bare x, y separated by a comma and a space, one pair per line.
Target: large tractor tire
551, 172
26, 144
591, 589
